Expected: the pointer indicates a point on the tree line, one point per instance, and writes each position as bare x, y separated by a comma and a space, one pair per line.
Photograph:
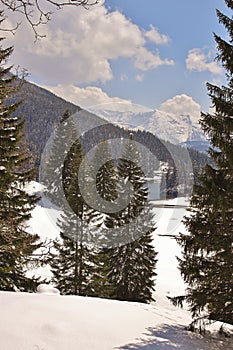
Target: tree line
101, 252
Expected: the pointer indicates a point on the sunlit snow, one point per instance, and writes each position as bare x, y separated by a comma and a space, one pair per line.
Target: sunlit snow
48, 321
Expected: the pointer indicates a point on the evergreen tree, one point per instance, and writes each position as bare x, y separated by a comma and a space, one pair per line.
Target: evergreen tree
79, 267
16, 243
207, 262
133, 261
72, 263
106, 174
106, 182
172, 183
64, 131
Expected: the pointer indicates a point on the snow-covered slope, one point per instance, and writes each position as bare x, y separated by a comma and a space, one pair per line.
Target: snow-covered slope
49, 321
53, 322
169, 127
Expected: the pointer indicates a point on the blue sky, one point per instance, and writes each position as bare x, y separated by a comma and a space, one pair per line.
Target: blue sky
145, 52
189, 24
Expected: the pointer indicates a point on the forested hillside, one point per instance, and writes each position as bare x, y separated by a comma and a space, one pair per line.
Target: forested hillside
42, 110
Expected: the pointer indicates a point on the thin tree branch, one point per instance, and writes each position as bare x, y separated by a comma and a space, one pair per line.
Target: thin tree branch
33, 12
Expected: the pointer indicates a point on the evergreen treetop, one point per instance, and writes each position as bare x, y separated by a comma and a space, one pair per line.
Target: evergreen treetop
16, 243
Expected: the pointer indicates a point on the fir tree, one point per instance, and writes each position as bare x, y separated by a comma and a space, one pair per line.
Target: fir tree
207, 261
106, 174
106, 182
172, 183
133, 261
16, 243
72, 263
64, 131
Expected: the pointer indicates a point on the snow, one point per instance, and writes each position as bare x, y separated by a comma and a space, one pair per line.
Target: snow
109, 108
45, 322
47, 289
167, 126
43, 222
48, 321
34, 187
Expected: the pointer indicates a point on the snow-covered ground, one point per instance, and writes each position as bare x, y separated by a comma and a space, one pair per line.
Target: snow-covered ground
49, 321
53, 322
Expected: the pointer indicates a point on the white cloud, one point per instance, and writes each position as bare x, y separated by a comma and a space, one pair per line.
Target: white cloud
80, 45
199, 61
85, 97
95, 99
139, 77
182, 105
146, 60
154, 36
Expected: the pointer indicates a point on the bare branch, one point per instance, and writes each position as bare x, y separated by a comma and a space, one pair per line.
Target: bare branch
11, 30
35, 15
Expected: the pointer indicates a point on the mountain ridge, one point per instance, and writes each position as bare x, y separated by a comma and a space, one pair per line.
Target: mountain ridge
43, 110
167, 126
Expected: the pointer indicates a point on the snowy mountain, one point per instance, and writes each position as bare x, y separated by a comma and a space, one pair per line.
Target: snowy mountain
49, 321
169, 127
42, 110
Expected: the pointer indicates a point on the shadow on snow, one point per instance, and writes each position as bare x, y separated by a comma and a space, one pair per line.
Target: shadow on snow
176, 338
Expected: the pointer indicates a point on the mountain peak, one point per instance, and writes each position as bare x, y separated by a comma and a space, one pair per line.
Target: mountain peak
176, 128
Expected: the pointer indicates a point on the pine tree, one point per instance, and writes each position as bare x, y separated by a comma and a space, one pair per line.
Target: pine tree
106, 175
133, 260
72, 263
105, 181
172, 183
51, 168
207, 262
16, 243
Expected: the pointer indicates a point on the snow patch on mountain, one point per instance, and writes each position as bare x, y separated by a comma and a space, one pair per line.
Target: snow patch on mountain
167, 126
